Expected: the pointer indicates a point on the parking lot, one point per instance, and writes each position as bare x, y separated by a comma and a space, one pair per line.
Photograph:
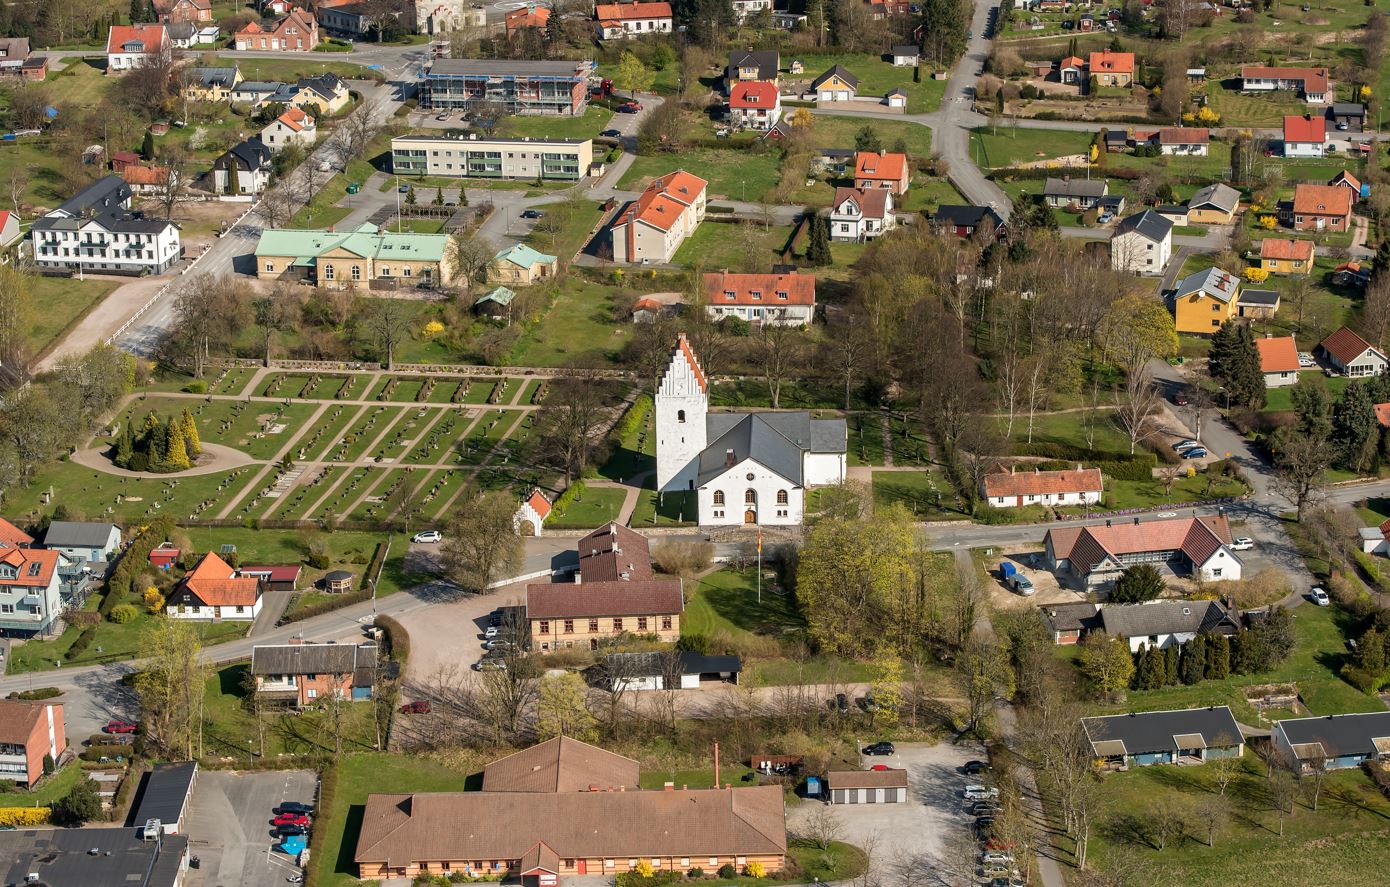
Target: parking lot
229, 825
933, 819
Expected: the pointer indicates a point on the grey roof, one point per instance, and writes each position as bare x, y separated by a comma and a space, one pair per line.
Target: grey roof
774, 439
652, 664
268, 659
1213, 281
1165, 617
259, 86
501, 296
326, 85
766, 61
966, 215
1348, 109
61, 857
1072, 617
837, 71
103, 195
504, 68
181, 30
216, 76
250, 155
104, 201
906, 49
1171, 209
1258, 297
1223, 197
163, 794
1075, 188
1339, 734
1154, 731
77, 534
1147, 224
1116, 135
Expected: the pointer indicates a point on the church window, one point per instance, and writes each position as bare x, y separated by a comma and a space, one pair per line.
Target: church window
781, 497
680, 416
718, 497
749, 497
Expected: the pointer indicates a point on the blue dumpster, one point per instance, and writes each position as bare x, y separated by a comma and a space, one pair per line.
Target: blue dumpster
812, 786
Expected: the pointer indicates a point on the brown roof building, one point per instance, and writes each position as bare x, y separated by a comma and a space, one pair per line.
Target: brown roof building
534, 827
28, 731
1098, 554
614, 592
1071, 487
214, 590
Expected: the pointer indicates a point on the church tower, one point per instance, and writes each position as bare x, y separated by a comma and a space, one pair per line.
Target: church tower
682, 400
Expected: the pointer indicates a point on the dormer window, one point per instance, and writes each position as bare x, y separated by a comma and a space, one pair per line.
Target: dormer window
729, 295
781, 296
756, 295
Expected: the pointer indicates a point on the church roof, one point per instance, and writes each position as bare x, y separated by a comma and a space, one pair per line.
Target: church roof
775, 440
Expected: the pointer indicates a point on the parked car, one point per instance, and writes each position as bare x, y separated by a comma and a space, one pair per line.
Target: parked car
995, 858
418, 707
1195, 453
1305, 360
983, 808
879, 748
981, 793
1022, 584
882, 768
1319, 596
532, 214
1242, 543
290, 819
427, 537
290, 831
1186, 445
491, 663
498, 644
491, 632
403, 189
611, 133
294, 807
629, 107
119, 726
974, 768
984, 825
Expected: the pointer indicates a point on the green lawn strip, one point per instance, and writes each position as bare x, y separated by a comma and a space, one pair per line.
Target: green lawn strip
368, 428
634, 455
664, 510
232, 381
732, 175
1281, 399
436, 440
699, 778
575, 220
112, 643
1005, 146
734, 246
96, 493
599, 505
1121, 494
284, 546
311, 488
588, 125
407, 389
60, 305
1070, 429
839, 132
451, 480
316, 442
577, 327
820, 670
52, 789
359, 775
527, 393
379, 489
229, 729
865, 439
794, 395
244, 426
1348, 829
726, 601
927, 494
346, 491
291, 69
327, 387
399, 438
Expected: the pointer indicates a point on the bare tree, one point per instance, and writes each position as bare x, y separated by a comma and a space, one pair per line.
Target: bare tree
276, 207
1136, 406
822, 828
1283, 791
1213, 812
570, 421
778, 351
389, 321
1313, 775
1299, 469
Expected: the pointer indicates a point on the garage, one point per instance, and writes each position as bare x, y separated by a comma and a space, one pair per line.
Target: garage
885, 786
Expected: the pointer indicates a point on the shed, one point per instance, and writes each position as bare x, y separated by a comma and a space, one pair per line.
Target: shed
275, 578
497, 303
896, 98
867, 786
649, 671
164, 795
338, 582
164, 557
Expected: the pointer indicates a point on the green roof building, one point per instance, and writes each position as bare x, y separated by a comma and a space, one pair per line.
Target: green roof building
520, 264
363, 256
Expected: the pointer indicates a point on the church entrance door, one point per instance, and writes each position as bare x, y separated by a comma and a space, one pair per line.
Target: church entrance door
750, 516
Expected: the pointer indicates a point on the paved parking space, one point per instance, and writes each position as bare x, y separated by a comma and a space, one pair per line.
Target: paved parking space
229, 825
931, 820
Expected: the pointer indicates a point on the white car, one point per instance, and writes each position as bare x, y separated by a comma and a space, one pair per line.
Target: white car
427, 536
491, 632
1243, 543
980, 793
1305, 360
1319, 596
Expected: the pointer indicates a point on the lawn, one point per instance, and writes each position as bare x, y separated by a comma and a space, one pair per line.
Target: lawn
877, 77
1006, 146
1281, 399
743, 246
290, 69
927, 494
597, 505
229, 729
112, 643
727, 602
96, 493
584, 126
565, 228
1144, 494
839, 132
732, 174
664, 510
1070, 429
323, 211
59, 304
1342, 843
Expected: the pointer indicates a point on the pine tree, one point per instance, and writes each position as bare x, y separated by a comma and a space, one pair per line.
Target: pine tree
137, 11
818, 244
438, 196
1234, 362
1170, 666
157, 442
233, 177
1382, 258
190, 434
147, 148
125, 447
410, 195
176, 454
866, 139
1192, 660
1353, 429
1218, 665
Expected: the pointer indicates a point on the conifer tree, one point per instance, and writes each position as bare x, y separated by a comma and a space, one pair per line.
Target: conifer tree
818, 245
176, 455
191, 439
1192, 660
125, 446
147, 147
1218, 664
1170, 666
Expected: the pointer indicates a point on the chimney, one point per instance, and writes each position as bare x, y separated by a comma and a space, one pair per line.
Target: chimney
729, 458
883, 152
668, 786
1107, 522
716, 765
1136, 521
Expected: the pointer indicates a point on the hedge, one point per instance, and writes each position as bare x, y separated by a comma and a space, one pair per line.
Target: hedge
318, 828
397, 638
328, 606
25, 817
79, 646
572, 492
375, 564
35, 694
634, 418
1379, 775
134, 562
1138, 467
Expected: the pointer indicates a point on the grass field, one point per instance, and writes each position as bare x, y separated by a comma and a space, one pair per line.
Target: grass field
732, 174
664, 510
1008, 146
742, 246
58, 303
585, 126
598, 506
927, 494
877, 77
230, 730
1070, 429
112, 643
1281, 399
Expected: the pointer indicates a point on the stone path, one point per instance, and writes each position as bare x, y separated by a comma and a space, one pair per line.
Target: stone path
215, 458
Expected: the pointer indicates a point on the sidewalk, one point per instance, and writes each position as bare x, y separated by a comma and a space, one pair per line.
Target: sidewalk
105, 318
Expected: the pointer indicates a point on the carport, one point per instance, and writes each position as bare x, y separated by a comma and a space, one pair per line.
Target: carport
867, 786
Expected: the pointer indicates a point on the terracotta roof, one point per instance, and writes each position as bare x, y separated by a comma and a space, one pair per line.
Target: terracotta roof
213, 582
1345, 344
1072, 61
561, 764
144, 175
1040, 483
1305, 129
590, 600
1383, 417
605, 12
539, 503
647, 303
528, 17
296, 119
1314, 79
1198, 538
1278, 354
1321, 200
891, 167
34, 566
272, 573
681, 186
723, 288
1184, 135
866, 779
1286, 250
12, 536
614, 552
153, 36
398, 829
683, 348
18, 720
1112, 62
753, 94
664, 200
873, 202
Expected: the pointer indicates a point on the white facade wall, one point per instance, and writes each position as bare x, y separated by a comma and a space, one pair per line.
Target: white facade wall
772, 315
1138, 254
1079, 497
1303, 149
681, 409
1222, 565
647, 242
756, 118
94, 248
1162, 640
1368, 363
277, 136
228, 614
1184, 150
1280, 380
247, 182
766, 486
636, 27
745, 9
823, 469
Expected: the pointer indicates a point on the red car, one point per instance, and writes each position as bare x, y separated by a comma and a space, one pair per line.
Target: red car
290, 819
418, 707
880, 767
119, 727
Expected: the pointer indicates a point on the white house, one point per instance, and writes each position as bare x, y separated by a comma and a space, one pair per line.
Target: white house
651, 228
1188, 141
1373, 539
754, 104
857, 215
134, 46
773, 299
679, 668
30, 589
1278, 360
1142, 243
905, 56
623, 21
214, 590
531, 514
94, 230
745, 468
1096, 555
253, 168
1304, 135
1011, 489
887, 786
746, 9
83, 542
290, 127
1352, 355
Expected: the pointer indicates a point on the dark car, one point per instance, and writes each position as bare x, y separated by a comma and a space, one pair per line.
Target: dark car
984, 826
1181, 399
294, 807
289, 831
532, 214
974, 768
880, 748
611, 134
984, 808
629, 107
117, 726
418, 707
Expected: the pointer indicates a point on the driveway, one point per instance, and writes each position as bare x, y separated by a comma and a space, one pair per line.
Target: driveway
229, 825
926, 826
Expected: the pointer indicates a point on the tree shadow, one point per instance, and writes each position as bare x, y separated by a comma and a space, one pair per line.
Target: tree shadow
1127, 828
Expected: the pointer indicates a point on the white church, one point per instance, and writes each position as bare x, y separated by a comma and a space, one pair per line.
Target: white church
746, 468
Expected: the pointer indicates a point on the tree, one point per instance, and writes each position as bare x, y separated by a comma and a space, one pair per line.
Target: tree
570, 422
866, 139
270, 317
944, 23
1225, 768
471, 259
632, 75
276, 207
1107, 663
176, 452
170, 687
81, 805
15, 320
233, 176
1312, 404
1234, 364
1167, 821
1139, 583
147, 148
480, 545
171, 183
818, 242
1283, 791
1299, 466
984, 674
1192, 662
1138, 328
1355, 429
1214, 813
389, 321
778, 351
562, 710
1136, 406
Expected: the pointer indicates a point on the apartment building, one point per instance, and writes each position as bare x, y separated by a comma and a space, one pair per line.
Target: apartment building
562, 160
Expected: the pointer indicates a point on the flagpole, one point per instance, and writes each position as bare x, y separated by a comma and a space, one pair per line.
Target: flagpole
760, 566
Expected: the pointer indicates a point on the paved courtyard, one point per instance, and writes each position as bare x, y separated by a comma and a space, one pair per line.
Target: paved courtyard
229, 825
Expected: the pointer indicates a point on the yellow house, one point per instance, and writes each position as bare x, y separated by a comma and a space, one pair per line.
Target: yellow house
835, 85
211, 84
1204, 300
356, 258
1280, 256
1213, 205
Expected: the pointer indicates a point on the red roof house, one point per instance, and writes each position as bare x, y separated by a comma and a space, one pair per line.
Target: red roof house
214, 590
783, 299
1319, 208
881, 169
